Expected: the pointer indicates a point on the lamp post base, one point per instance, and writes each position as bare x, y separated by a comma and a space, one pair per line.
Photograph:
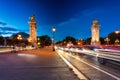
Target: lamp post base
53, 49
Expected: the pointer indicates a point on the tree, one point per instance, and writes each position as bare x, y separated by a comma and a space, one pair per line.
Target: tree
1, 40
60, 43
102, 40
44, 40
70, 39
88, 41
24, 40
23, 34
113, 36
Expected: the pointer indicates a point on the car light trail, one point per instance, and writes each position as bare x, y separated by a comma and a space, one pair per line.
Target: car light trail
80, 75
27, 55
117, 78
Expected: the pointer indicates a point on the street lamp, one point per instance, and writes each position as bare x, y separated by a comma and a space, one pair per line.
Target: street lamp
19, 37
53, 30
38, 42
117, 40
29, 39
107, 40
117, 31
80, 42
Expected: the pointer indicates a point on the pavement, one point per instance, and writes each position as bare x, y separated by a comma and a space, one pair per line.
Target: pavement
42, 64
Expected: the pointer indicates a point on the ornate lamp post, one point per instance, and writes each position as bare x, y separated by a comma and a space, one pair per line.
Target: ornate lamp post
38, 42
117, 40
53, 30
107, 40
80, 42
117, 31
29, 40
19, 37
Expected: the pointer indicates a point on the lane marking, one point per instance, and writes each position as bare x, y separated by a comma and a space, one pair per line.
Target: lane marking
118, 78
79, 74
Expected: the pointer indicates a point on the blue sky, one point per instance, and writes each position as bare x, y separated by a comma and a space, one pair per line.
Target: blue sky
70, 17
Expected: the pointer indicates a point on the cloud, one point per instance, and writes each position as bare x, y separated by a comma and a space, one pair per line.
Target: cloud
8, 29
5, 31
92, 11
3, 23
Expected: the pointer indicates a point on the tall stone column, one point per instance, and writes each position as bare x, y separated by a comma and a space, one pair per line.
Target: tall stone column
33, 35
95, 33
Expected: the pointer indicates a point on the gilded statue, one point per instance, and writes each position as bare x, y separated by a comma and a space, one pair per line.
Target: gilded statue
95, 21
32, 18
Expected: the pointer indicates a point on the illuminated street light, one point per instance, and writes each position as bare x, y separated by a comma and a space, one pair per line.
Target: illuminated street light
38, 42
107, 40
117, 31
117, 41
29, 40
80, 42
19, 37
53, 30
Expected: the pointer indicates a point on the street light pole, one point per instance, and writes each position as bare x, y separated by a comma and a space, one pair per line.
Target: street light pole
117, 40
53, 30
4, 41
107, 40
19, 37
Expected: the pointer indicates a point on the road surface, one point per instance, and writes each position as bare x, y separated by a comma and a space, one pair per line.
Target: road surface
42, 64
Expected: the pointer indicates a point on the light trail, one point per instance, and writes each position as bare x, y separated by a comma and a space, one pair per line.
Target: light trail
95, 67
79, 74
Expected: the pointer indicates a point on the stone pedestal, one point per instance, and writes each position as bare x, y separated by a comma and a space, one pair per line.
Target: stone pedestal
95, 43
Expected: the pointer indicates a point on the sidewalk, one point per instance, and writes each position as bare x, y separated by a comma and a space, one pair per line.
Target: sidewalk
51, 66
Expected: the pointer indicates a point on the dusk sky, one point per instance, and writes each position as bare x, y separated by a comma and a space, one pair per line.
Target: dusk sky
70, 17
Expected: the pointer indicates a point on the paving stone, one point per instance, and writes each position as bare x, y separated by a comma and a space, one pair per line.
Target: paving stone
45, 65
